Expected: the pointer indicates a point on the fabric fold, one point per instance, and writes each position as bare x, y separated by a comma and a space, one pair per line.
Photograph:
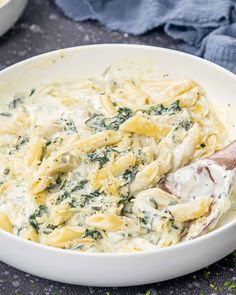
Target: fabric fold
199, 23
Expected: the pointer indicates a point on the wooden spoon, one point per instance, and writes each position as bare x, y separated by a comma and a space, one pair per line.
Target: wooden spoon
212, 177
226, 157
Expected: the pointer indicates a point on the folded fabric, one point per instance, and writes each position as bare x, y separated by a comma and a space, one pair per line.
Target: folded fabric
204, 25
220, 47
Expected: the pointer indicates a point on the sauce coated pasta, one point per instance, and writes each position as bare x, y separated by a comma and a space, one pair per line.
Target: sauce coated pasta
80, 163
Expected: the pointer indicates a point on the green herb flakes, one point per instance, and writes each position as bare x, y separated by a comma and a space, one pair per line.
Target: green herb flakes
101, 156
79, 185
70, 188
207, 274
64, 195
94, 234
6, 171
229, 285
68, 125
20, 142
185, 124
48, 142
160, 109
129, 175
123, 115
15, 103
86, 198
32, 91
99, 123
50, 228
5, 114
33, 219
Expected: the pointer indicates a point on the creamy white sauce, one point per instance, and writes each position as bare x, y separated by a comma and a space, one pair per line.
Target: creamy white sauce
190, 183
56, 118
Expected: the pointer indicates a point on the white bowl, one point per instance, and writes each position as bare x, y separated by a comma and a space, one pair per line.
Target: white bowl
10, 11
129, 268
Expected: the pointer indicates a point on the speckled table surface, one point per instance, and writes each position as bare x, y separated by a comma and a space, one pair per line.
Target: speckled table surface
43, 28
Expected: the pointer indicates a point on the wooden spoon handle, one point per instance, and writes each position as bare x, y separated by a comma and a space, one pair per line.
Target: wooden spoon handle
226, 156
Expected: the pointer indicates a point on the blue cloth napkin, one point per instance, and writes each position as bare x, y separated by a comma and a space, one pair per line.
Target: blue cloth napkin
207, 27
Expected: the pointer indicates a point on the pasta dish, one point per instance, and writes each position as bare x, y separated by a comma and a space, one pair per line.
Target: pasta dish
81, 163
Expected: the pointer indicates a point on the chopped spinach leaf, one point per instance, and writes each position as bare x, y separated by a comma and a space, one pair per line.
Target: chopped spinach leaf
32, 91
48, 142
99, 123
62, 197
68, 125
98, 157
129, 175
94, 234
49, 229
96, 208
123, 115
68, 189
6, 171
18, 229
144, 220
5, 114
185, 124
156, 110
21, 141
15, 103
174, 108
160, 109
141, 156
174, 226
79, 186
86, 198
42, 209
96, 193
38, 213
74, 203
101, 156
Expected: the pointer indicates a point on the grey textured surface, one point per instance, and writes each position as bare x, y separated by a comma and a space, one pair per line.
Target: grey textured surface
43, 28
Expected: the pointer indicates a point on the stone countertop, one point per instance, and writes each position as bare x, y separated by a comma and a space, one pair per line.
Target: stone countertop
43, 28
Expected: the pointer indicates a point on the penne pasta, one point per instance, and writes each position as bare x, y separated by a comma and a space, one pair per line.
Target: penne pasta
82, 164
